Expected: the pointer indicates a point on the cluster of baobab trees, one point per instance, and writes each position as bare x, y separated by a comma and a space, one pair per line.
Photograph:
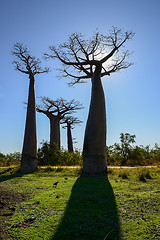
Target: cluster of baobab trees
59, 112
81, 59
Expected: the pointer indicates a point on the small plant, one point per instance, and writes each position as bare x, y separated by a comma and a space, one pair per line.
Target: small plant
110, 171
124, 175
142, 177
59, 169
148, 175
48, 169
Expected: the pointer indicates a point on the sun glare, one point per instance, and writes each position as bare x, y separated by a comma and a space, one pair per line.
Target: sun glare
101, 55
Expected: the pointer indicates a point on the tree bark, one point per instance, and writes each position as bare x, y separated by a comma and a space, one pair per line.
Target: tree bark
29, 151
94, 148
55, 132
69, 138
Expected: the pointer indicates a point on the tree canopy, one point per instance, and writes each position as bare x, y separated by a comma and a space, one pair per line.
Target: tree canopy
79, 56
26, 63
71, 121
60, 106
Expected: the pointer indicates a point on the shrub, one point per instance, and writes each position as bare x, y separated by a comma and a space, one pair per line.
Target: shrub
136, 155
144, 174
124, 175
110, 171
10, 159
48, 169
48, 155
148, 175
142, 177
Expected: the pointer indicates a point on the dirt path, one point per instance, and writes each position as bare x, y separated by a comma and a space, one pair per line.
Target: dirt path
119, 167
78, 167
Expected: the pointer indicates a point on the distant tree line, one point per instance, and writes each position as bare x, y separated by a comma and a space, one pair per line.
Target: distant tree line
125, 153
10, 159
46, 156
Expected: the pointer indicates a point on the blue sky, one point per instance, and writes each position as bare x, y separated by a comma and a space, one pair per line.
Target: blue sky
132, 95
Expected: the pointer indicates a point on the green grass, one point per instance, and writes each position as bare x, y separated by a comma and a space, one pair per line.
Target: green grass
123, 206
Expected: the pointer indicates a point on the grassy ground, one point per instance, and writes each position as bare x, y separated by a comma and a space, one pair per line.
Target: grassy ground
57, 204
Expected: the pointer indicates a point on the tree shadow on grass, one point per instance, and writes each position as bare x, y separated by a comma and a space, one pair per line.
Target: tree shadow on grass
91, 212
10, 173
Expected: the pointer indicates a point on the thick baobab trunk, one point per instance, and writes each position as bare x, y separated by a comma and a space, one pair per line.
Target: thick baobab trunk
55, 132
94, 149
69, 138
29, 152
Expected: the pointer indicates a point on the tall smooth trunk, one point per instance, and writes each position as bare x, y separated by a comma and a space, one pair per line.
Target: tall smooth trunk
69, 139
55, 132
94, 148
29, 151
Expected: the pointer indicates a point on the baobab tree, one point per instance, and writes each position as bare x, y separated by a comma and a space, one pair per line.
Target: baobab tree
70, 122
56, 110
93, 59
31, 66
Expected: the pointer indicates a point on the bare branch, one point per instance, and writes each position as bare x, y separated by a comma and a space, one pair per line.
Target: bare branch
26, 63
70, 121
81, 55
19, 67
117, 64
60, 107
76, 77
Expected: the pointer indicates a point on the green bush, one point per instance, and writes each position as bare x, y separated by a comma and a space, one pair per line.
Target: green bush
124, 175
142, 178
51, 155
10, 159
144, 174
136, 155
